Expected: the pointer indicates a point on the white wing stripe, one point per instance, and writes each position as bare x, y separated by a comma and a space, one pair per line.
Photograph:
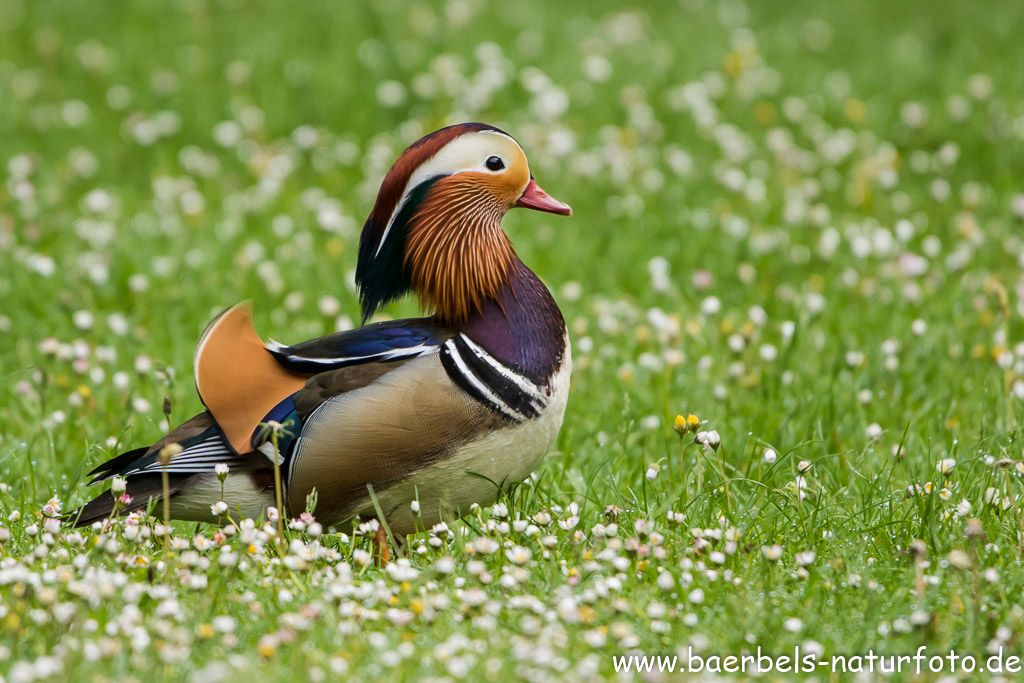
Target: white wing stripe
386, 355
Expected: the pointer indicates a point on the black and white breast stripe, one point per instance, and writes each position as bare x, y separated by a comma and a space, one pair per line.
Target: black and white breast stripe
491, 382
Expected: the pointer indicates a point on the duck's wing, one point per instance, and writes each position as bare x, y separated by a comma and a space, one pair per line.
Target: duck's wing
381, 342
245, 383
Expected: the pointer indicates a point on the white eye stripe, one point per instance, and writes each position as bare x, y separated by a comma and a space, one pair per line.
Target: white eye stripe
469, 152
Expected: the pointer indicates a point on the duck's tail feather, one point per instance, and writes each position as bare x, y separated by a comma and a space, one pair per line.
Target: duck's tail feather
140, 491
117, 464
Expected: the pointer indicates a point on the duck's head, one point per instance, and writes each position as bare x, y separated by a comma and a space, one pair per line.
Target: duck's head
435, 228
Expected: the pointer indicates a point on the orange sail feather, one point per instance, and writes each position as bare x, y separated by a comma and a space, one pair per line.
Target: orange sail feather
238, 380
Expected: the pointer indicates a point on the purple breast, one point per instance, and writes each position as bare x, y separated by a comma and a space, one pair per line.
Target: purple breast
522, 327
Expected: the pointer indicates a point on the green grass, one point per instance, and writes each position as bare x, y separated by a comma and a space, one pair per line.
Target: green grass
768, 233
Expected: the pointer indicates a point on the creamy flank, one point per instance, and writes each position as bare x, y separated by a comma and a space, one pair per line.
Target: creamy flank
505, 456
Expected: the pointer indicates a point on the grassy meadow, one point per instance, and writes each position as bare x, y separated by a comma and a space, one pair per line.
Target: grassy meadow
801, 222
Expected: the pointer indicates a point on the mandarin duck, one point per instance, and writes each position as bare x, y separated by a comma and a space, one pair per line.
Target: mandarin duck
447, 410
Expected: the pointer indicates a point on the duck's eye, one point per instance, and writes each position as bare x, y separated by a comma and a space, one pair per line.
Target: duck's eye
494, 164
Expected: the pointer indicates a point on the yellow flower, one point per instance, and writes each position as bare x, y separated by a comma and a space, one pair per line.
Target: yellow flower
335, 247
13, 622
733, 64
855, 110
764, 113
685, 424
679, 425
267, 647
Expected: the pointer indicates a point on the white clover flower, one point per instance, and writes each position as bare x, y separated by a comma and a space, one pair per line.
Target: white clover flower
143, 364
805, 558
402, 570
710, 439
83, 320
518, 555
696, 596
485, 546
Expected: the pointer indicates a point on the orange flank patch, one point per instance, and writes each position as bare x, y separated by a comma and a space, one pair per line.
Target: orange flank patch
238, 380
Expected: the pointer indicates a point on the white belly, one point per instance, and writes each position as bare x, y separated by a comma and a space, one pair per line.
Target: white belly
474, 472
